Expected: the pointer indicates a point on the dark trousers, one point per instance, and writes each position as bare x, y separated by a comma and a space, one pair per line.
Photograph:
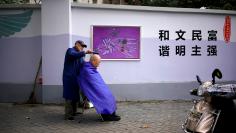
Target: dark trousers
70, 108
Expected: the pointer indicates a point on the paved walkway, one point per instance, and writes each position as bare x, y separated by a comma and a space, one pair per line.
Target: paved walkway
136, 117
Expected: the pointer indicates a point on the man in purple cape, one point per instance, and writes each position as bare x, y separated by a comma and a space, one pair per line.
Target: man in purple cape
96, 90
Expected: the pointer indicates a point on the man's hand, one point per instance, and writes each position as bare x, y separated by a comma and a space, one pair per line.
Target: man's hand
89, 51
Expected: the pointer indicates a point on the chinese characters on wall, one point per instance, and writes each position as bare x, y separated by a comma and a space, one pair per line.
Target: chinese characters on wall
181, 50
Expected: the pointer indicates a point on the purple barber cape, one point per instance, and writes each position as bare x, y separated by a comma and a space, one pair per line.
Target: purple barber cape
95, 89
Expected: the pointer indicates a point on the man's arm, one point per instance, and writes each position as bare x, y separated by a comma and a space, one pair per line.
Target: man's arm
75, 54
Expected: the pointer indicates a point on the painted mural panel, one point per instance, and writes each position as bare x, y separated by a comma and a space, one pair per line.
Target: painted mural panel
117, 42
12, 23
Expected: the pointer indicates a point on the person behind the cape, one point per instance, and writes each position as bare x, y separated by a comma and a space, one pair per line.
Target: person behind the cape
73, 60
95, 89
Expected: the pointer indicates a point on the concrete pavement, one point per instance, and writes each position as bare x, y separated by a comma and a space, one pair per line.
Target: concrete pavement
136, 117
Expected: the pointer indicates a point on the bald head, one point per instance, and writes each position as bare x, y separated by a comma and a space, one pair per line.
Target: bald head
95, 59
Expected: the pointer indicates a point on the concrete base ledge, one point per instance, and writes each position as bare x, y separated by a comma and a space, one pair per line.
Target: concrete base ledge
122, 92
19, 93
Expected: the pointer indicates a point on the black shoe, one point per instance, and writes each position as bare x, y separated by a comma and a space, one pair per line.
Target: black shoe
106, 117
115, 118
70, 118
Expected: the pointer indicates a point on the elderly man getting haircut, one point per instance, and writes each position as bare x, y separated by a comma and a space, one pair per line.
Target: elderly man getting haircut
96, 90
